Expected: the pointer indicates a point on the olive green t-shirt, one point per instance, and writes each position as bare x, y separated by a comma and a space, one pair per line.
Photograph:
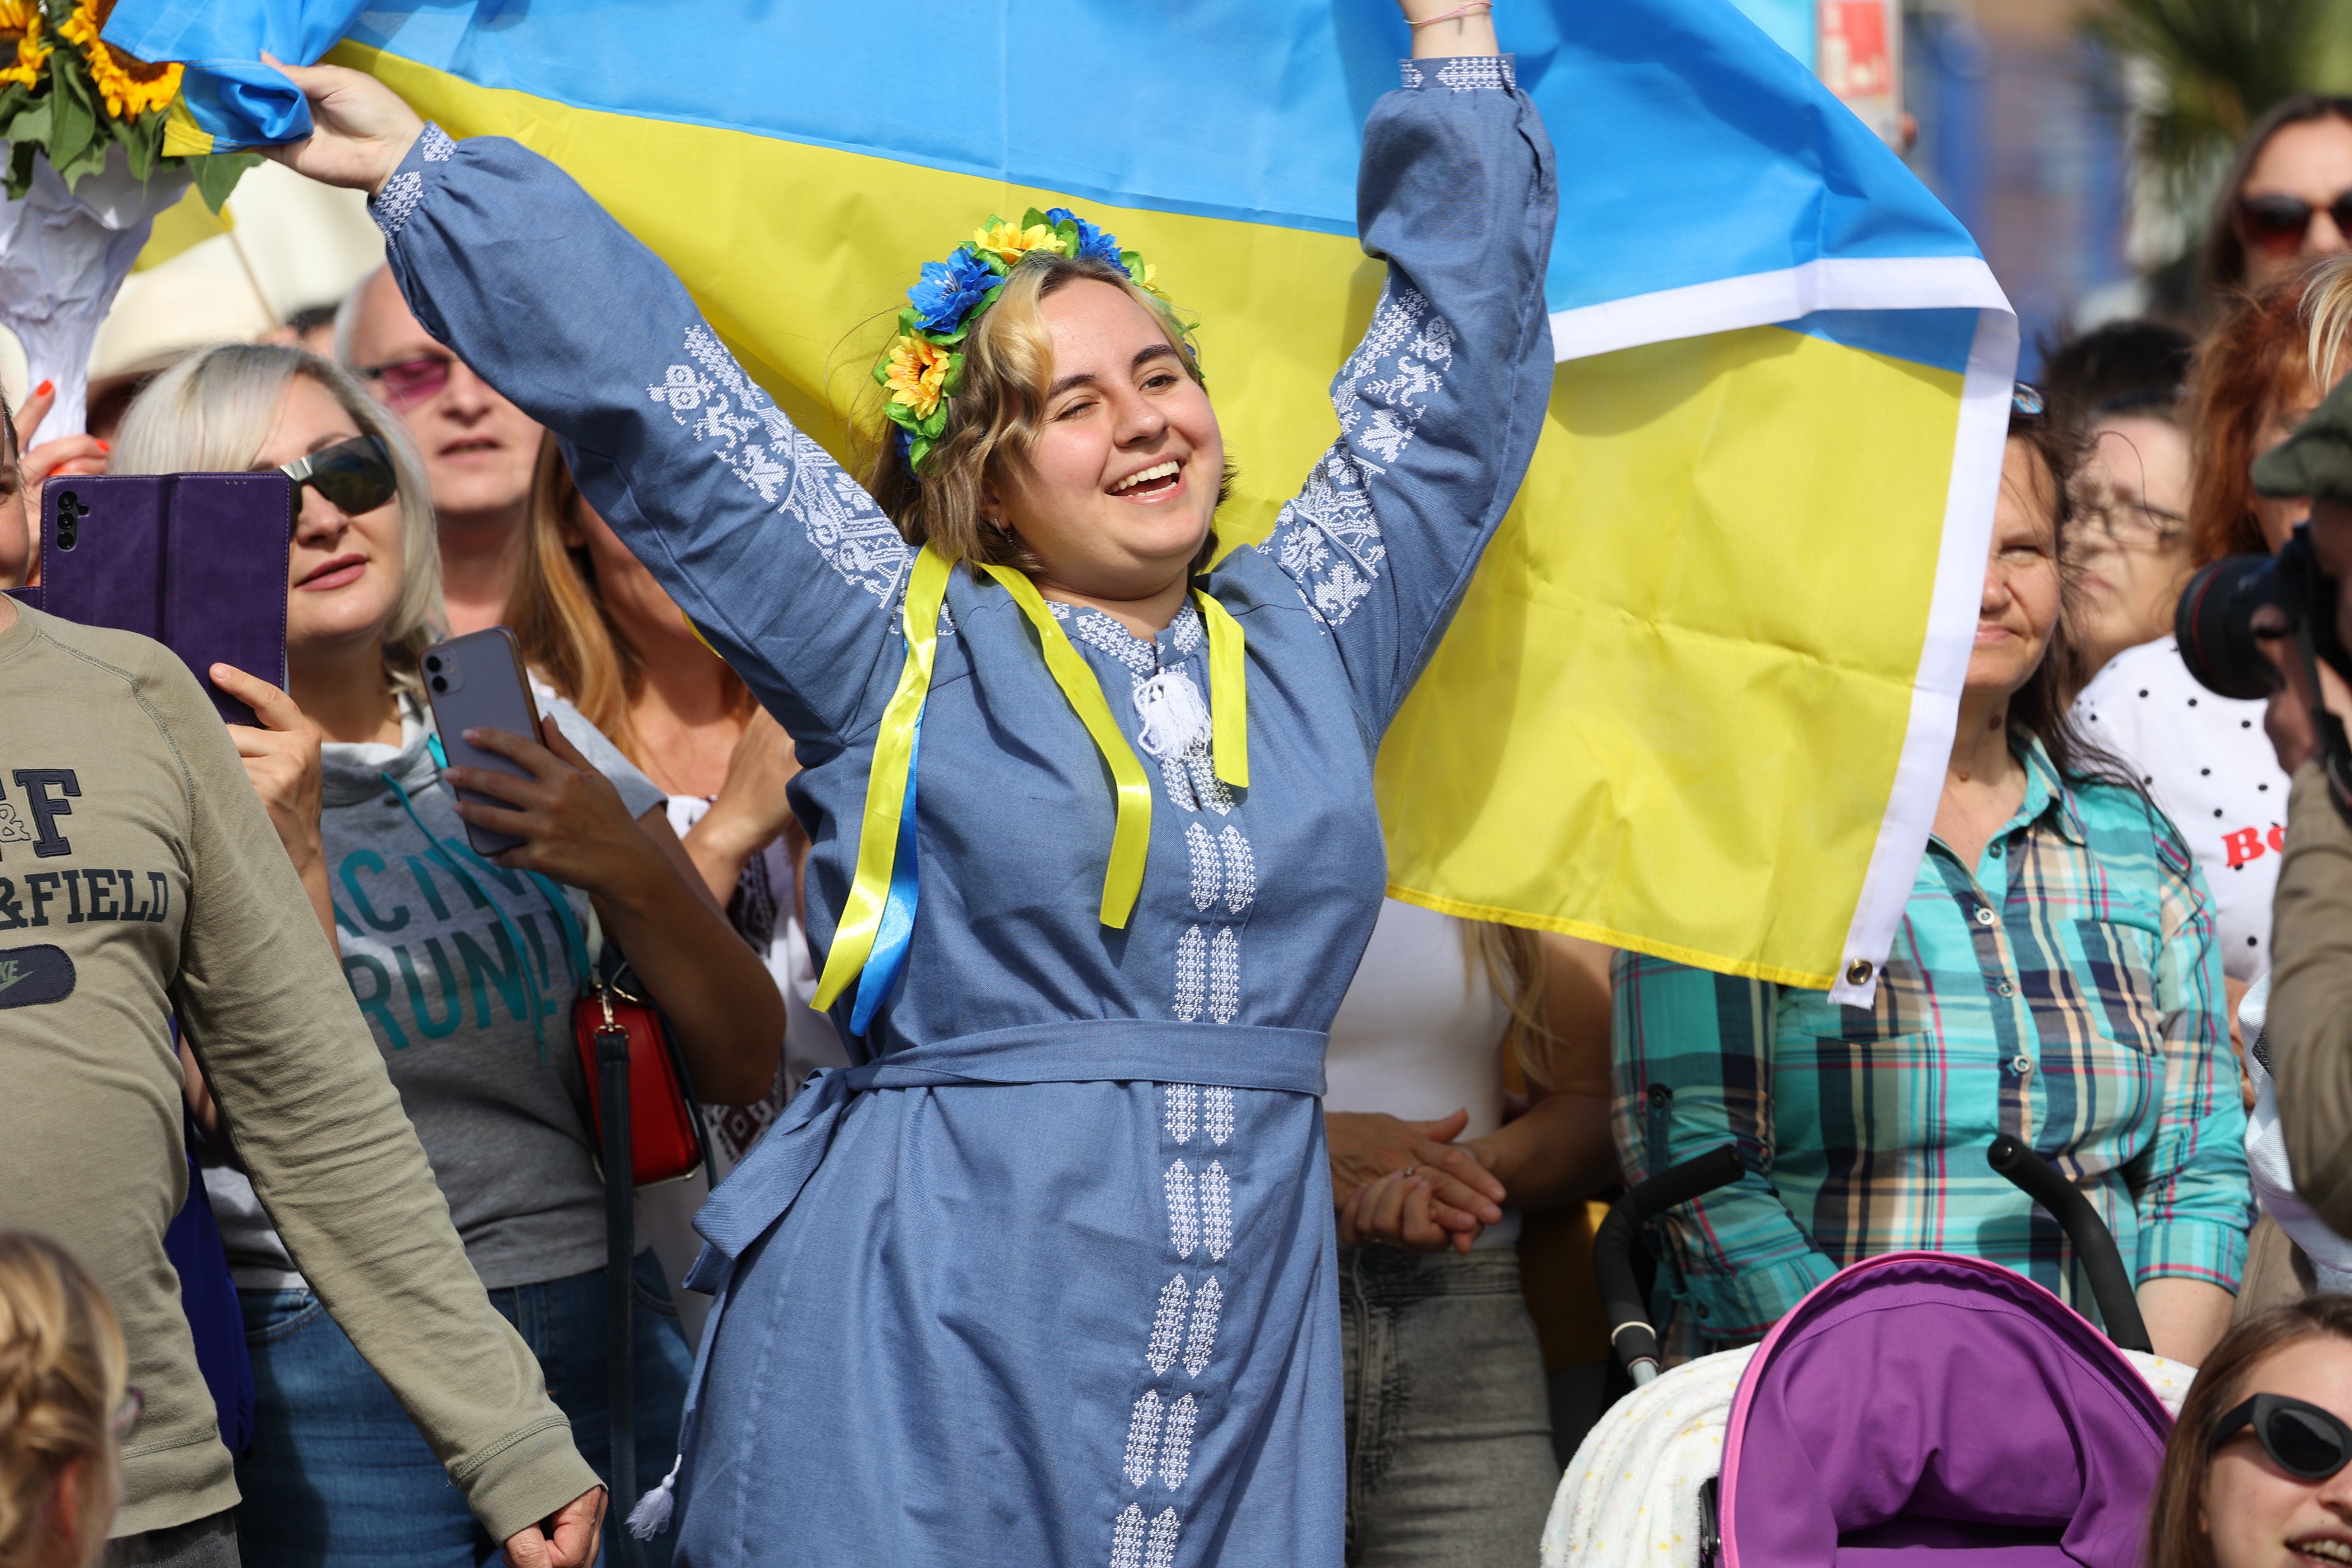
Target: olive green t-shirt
139, 879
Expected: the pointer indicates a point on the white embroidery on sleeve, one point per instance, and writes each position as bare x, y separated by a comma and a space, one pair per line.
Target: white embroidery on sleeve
724, 409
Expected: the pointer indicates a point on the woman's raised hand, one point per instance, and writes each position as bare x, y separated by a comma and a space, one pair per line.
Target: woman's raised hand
361, 129
281, 762
750, 810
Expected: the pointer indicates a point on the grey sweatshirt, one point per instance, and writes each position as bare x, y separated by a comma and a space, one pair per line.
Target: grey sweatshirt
139, 879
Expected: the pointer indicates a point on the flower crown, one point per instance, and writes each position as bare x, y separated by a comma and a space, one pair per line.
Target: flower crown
923, 367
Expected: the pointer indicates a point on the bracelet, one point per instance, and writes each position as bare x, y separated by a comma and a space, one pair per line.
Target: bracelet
1458, 12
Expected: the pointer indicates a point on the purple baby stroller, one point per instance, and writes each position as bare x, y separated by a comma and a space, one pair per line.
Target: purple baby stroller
1915, 1409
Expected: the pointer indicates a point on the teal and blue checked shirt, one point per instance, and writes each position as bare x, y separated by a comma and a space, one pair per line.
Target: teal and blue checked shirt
2065, 992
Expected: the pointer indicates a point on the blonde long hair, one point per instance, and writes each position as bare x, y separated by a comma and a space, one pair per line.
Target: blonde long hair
63, 1370
558, 616
1512, 959
210, 413
992, 418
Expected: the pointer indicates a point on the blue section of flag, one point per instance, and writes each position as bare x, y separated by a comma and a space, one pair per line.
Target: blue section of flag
241, 102
1939, 338
1731, 162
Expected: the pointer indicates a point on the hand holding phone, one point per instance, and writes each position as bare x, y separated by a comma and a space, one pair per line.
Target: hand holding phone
477, 682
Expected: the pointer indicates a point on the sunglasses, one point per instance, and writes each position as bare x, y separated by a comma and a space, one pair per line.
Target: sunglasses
2276, 225
356, 474
409, 382
2026, 403
2302, 1439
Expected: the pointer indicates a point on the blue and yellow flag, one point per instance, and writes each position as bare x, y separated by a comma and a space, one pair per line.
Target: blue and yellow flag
1700, 695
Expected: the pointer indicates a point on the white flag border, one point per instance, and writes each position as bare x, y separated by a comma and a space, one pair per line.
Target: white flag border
1872, 283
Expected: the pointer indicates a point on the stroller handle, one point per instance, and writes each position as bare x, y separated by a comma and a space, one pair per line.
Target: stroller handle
1630, 1334
2111, 1285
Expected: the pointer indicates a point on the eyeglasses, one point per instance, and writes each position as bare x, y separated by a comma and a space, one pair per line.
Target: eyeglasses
356, 475
127, 1414
409, 382
2302, 1439
2276, 225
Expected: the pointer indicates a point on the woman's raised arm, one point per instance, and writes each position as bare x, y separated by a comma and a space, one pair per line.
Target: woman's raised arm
1440, 404
781, 560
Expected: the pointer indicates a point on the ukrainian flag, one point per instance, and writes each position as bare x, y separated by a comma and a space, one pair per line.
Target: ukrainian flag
1700, 696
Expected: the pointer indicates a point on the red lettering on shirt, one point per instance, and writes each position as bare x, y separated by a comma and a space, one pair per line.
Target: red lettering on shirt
2244, 845
2278, 840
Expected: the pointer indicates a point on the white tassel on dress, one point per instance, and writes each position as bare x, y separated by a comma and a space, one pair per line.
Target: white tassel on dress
651, 1516
1174, 716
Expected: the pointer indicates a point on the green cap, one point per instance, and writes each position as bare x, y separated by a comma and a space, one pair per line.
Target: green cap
2316, 460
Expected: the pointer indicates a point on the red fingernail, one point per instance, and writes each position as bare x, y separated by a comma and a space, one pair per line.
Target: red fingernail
103, 445
45, 389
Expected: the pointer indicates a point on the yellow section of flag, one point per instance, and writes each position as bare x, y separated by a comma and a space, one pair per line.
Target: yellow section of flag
1729, 661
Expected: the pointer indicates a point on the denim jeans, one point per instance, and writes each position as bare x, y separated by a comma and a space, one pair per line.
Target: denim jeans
338, 1476
1449, 1437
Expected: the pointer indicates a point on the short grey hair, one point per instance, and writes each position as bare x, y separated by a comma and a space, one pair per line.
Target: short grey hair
210, 413
347, 317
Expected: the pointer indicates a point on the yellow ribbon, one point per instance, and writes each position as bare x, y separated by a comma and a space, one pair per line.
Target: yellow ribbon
1131, 841
886, 788
1228, 692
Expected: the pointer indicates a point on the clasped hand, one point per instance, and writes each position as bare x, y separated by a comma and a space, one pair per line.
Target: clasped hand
1408, 1182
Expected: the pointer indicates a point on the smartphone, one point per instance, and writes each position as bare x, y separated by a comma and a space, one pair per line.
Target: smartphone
197, 562
476, 682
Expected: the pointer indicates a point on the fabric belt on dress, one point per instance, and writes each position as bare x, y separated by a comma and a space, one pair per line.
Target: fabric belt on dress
760, 1191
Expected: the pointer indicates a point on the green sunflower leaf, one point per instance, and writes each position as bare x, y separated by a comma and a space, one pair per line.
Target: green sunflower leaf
216, 174
31, 123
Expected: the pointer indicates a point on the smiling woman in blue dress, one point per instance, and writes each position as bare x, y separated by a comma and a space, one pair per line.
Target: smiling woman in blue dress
1047, 1277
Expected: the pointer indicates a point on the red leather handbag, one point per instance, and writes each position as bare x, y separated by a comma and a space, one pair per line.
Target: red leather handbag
662, 1118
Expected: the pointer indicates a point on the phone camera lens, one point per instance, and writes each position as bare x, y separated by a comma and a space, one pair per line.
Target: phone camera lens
440, 684
434, 663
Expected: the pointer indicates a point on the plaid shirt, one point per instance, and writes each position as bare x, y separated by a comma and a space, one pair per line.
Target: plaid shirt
2066, 994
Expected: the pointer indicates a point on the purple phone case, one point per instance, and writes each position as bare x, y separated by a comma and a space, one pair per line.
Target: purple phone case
490, 692
198, 562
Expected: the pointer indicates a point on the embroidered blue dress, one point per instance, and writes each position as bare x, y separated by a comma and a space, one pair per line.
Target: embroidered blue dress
1047, 1276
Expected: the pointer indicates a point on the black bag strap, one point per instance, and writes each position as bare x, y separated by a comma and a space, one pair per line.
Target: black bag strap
620, 1261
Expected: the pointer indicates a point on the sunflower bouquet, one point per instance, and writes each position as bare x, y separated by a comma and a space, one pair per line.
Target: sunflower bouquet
69, 96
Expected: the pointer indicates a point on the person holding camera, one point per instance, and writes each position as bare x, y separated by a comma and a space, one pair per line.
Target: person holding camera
2299, 612
464, 967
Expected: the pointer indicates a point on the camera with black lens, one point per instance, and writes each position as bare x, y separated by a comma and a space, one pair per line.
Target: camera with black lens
2218, 643
2215, 620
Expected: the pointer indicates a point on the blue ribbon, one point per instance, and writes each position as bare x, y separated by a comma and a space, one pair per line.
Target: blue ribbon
895, 933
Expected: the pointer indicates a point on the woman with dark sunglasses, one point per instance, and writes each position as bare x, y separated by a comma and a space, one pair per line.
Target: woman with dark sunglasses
2286, 201
2255, 1474
461, 965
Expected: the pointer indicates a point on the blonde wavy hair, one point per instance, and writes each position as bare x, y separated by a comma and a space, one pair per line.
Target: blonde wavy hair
63, 1370
2328, 307
992, 418
210, 413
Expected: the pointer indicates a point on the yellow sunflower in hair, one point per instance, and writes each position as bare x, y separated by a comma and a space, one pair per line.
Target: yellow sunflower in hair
131, 86
916, 373
1009, 242
20, 31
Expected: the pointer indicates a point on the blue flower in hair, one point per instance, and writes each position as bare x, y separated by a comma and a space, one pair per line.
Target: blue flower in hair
950, 289
1092, 241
